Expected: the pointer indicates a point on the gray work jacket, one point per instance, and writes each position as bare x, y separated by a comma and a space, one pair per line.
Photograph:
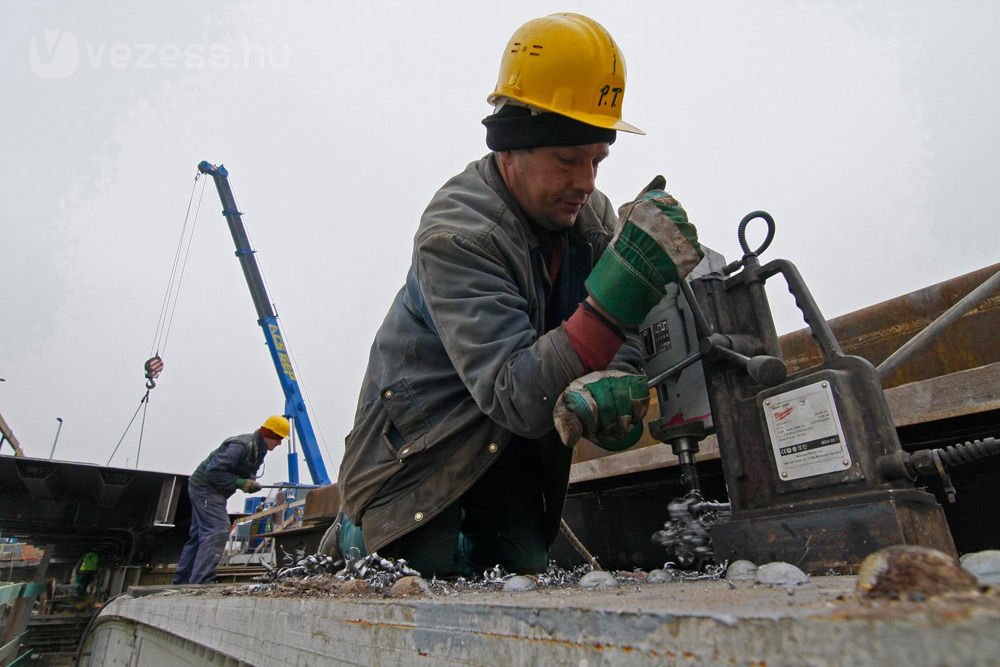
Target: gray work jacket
462, 360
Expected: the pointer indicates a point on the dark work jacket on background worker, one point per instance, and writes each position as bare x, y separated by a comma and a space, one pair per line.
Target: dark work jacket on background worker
469, 356
238, 457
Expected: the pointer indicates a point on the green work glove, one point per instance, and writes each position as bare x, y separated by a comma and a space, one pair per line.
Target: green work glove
248, 485
654, 245
605, 407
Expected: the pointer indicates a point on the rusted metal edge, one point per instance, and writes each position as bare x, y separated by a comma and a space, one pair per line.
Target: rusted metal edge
923, 339
878, 331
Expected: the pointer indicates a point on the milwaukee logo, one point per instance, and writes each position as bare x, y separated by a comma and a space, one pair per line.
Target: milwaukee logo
781, 414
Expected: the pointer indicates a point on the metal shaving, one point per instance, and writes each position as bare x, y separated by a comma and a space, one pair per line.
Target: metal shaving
685, 535
494, 578
557, 576
380, 573
318, 575
708, 571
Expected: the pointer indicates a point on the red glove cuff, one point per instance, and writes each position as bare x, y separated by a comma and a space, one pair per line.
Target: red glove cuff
594, 338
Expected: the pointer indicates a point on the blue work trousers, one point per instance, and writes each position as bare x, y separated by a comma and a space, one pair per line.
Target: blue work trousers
207, 539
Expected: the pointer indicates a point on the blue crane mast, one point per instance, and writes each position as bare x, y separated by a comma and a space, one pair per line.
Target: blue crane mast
295, 408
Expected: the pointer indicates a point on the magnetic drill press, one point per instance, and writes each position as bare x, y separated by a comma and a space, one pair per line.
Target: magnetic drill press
813, 467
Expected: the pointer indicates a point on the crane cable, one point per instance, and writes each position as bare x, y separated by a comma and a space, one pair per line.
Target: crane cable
154, 365
164, 322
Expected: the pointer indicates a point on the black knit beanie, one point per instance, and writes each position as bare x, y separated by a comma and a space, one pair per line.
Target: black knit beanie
515, 127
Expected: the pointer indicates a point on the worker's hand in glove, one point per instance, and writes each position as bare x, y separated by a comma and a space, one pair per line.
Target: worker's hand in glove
654, 245
605, 407
248, 485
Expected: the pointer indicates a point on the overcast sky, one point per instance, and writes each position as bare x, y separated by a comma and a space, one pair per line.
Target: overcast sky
868, 129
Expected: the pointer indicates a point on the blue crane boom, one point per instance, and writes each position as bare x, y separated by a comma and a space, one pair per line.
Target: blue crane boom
295, 408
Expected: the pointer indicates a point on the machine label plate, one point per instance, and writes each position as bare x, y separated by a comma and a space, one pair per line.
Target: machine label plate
806, 433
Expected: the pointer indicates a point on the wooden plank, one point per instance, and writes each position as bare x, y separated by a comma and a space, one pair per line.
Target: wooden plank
289, 521
954, 395
269, 511
637, 460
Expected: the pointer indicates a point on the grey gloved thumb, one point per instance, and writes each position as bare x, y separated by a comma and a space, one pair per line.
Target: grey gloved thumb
658, 183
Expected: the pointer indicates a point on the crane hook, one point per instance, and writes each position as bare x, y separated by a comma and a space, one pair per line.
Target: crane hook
153, 366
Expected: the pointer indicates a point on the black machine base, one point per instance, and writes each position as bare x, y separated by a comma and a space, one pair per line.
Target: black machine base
836, 536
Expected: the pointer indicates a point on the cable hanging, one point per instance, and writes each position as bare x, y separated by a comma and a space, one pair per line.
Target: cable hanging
153, 366
169, 305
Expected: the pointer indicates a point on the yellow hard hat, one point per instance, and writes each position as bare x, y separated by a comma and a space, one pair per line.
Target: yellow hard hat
567, 64
278, 425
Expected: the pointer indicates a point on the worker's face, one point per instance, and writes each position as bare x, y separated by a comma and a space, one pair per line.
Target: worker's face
552, 183
271, 443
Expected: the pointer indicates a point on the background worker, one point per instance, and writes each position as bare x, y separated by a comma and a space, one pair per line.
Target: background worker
519, 286
233, 465
85, 572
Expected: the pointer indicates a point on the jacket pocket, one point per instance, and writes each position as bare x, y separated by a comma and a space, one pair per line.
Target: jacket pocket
404, 433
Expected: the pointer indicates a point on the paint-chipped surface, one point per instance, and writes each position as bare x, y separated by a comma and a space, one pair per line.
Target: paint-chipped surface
680, 623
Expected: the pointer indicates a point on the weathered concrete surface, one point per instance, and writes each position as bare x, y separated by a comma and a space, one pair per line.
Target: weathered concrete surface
691, 623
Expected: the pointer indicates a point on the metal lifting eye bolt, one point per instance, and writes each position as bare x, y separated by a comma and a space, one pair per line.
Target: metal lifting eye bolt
765, 370
741, 234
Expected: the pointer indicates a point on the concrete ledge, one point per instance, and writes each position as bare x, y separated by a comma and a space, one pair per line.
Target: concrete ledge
692, 623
